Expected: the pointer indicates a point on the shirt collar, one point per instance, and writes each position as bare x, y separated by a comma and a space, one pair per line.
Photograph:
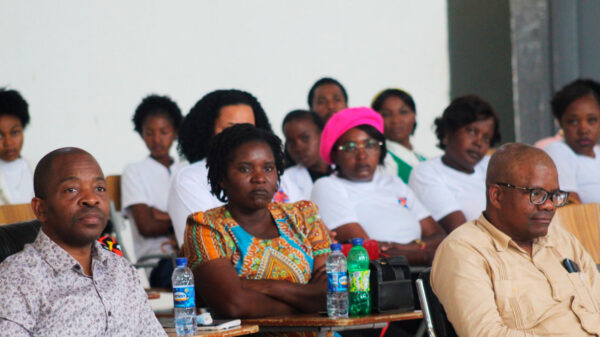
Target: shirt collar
501, 240
58, 258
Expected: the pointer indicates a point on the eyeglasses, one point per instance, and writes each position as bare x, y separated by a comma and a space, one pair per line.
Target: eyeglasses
370, 145
538, 196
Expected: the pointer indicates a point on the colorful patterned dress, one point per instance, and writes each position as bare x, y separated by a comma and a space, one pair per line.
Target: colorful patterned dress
302, 236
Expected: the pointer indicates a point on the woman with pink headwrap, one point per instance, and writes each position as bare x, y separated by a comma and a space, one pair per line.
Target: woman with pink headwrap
360, 201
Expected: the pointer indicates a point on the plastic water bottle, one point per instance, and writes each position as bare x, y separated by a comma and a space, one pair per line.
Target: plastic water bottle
337, 283
185, 299
358, 272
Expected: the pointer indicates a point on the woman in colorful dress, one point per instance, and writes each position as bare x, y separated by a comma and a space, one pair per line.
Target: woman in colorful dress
398, 110
252, 257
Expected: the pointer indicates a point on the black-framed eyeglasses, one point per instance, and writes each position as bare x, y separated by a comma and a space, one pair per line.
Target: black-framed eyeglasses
538, 196
371, 145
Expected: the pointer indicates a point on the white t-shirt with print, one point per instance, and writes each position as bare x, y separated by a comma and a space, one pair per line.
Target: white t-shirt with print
444, 190
16, 182
576, 172
385, 207
146, 182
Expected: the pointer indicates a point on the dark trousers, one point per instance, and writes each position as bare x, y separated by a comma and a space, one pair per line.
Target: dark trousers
160, 276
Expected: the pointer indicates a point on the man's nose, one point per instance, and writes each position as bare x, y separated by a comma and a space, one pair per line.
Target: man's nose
89, 198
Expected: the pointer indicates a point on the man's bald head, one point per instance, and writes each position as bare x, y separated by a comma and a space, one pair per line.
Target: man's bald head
508, 162
45, 167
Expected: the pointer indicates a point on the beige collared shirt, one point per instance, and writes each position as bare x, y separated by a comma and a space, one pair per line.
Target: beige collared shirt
489, 286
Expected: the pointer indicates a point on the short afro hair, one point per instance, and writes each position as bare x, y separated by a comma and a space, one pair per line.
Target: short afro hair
198, 127
377, 103
572, 92
224, 145
462, 111
13, 104
323, 81
156, 105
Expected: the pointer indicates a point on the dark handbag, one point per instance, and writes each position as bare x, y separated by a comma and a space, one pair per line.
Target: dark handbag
391, 285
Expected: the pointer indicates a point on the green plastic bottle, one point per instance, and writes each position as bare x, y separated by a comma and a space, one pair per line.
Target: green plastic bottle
358, 274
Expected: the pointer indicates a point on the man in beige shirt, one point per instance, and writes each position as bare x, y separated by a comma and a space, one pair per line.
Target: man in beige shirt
503, 274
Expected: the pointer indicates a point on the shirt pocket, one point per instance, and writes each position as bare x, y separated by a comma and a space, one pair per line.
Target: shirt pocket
515, 305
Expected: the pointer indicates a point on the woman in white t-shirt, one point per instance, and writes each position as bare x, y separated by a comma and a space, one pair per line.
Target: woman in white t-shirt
577, 158
190, 190
398, 110
302, 130
360, 202
145, 184
452, 186
16, 176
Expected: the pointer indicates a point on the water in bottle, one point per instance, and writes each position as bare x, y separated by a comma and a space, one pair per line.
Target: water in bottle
184, 299
337, 283
358, 273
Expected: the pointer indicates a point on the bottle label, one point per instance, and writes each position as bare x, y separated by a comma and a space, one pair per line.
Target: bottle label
359, 280
337, 282
184, 297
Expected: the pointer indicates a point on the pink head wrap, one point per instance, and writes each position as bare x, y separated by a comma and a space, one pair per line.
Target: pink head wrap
343, 121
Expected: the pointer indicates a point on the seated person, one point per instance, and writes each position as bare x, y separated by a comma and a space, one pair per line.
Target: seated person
190, 191
64, 283
503, 274
302, 130
16, 178
398, 110
452, 186
326, 97
577, 158
358, 201
252, 257
145, 184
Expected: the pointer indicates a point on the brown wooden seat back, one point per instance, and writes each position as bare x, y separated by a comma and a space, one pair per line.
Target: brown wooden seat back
583, 221
16, 213
113, 185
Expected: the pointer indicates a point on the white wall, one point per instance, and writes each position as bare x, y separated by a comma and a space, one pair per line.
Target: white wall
83, 66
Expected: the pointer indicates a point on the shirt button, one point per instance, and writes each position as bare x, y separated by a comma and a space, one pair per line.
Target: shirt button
110, 313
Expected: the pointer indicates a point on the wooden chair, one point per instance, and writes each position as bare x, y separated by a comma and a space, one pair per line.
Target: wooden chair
113, 186
16, 213
583, 221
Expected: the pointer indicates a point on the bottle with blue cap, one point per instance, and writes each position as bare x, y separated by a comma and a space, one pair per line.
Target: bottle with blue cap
184, 298
337, 283
358, 272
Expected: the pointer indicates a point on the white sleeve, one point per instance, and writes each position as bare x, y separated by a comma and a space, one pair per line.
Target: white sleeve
566, 165
132, 189
187, 196
413, 203
288, 186
334, 204
431, 190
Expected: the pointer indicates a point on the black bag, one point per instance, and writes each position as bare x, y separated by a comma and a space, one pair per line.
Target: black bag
391, 285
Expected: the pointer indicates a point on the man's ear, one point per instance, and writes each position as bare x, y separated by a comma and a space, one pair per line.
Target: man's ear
39, 208
495, 194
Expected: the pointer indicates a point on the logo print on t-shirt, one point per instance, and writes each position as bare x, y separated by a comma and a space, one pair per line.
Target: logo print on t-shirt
280, 196
403, 202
